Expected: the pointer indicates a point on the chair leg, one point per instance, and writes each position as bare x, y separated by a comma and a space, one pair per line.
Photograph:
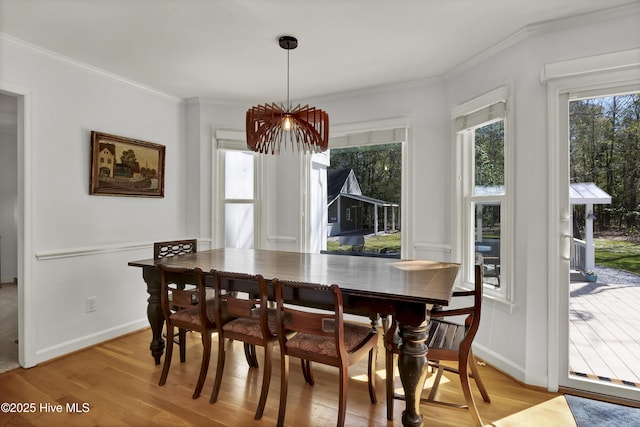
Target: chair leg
476, 376
167, 356
373, 355
182, 342
284, 383
436, 383
266, 380
219, 369
204, 365
466, 390
307, 371
342, 403
250, 355
389, 382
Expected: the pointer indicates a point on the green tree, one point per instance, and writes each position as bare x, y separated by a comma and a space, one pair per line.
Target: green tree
604, 148
128, 157
378, 169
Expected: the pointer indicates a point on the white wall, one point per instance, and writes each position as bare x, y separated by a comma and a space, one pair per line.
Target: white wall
81, 243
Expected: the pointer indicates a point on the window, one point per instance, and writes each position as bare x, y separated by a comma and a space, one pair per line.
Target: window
484, 190
236, 197
368, 165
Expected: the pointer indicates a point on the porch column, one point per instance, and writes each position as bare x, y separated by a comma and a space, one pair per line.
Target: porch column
590, 253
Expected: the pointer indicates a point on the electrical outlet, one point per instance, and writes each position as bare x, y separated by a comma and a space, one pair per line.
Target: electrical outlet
90, 304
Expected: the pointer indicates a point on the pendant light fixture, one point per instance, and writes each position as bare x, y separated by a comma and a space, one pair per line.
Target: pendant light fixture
271, 127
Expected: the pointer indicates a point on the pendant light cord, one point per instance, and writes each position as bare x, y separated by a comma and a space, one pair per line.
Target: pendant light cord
288, 107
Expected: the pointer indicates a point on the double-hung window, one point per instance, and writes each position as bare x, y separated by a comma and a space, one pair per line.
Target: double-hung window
484, 225
236, 200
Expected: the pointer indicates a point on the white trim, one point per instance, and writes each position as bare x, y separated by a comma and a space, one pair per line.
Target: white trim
368, 126
74, 62
482, 101
591, 64
432, 247
501, 362
46, 255
281, 239
26, 323
80, 343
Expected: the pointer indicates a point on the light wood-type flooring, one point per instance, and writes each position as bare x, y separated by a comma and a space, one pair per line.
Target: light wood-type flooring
116, 384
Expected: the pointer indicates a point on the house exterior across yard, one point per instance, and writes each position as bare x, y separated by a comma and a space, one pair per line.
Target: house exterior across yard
350, 211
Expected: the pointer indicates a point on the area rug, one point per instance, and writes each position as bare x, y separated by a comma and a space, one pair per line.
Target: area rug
589, 412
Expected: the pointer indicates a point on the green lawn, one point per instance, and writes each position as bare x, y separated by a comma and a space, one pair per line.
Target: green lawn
619, 254
373, 243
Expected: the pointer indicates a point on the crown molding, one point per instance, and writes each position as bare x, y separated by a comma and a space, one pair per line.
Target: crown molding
81, 65
544, 27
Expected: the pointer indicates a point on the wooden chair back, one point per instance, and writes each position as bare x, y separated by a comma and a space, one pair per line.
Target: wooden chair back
174, 297
231, 303
174, 247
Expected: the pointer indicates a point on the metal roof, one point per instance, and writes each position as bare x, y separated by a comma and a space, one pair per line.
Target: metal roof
582, 193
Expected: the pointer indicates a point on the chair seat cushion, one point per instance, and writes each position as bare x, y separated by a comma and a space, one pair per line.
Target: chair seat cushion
192, 315
251, 327
354, 336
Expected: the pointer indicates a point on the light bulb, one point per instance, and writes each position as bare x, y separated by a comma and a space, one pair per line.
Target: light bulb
287, 122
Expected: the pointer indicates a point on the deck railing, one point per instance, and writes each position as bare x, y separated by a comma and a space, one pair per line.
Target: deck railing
579, 255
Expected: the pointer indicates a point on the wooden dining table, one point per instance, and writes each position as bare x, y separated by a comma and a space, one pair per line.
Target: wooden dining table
371, 286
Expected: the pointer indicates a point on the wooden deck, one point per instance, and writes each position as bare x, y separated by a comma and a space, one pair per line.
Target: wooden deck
604, 331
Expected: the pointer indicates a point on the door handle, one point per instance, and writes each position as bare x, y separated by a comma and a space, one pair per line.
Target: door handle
565, 247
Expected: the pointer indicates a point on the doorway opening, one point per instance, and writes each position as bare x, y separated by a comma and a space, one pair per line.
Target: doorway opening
604, 289
8, 232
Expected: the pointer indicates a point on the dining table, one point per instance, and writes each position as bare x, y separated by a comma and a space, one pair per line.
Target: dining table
371, 286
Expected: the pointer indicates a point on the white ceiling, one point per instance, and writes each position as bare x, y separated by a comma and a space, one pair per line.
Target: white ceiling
227, 49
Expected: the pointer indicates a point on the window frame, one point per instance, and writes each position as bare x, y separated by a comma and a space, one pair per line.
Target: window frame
230, 140
385, 131
465, 201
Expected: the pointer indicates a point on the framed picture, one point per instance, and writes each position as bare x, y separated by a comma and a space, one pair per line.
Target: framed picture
126, 167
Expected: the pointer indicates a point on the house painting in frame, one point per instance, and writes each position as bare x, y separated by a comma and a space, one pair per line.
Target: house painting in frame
126, 167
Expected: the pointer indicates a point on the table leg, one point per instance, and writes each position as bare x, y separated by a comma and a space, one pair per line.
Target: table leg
412, 366
154, 312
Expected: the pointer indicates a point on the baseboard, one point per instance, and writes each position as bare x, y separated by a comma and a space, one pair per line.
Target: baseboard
81, 343
496, 360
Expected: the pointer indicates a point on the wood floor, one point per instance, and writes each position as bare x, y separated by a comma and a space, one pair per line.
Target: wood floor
119, 382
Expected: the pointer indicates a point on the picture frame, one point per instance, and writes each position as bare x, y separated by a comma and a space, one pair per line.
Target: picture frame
123, 166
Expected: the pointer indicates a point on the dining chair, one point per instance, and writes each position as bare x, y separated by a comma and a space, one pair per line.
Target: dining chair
174, 247
322, 337
186, 309
243, 313
169, 249
447, 341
